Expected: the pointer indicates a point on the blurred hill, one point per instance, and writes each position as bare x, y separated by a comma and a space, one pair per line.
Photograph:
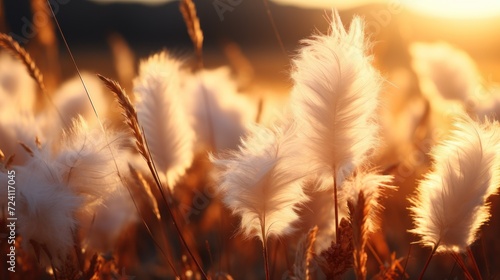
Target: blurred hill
86, 22
151, 28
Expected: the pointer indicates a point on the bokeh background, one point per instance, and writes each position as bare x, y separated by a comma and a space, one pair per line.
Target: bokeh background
242, 36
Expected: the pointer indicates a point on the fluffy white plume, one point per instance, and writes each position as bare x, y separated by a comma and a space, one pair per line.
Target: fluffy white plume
444, 70
447, 74
168, 132
219, 111
17, 88
71, 100
60, 191
261, 182
336, 95
87, 161
373, 186
46, 208
110, 219
450, 203
17, 127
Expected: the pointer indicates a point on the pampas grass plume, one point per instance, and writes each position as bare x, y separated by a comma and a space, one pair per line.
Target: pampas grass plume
336, 95
17, 88
261, 182
71, 100
450, 204
445, 70
88, 160
47, 208
160, 113
212, 99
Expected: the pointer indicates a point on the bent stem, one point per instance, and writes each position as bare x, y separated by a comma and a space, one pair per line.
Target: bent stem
428, 261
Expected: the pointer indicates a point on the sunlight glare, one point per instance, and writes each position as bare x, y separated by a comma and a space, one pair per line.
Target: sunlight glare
456, 9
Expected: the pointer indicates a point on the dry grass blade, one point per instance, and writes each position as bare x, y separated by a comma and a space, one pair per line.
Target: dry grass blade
188, 10
358, 215
20, 53
129, 112
144, 192
391, 270
26, 148
132, 121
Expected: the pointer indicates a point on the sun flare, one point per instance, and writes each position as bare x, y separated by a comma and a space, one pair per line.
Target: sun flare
456, 9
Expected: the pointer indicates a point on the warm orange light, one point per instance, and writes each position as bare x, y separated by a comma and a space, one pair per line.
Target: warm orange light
441, 8
456, 8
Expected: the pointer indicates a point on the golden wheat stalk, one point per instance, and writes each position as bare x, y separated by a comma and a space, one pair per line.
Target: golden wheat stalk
143, 191
188, 10
358, 215
130, 114
9, 44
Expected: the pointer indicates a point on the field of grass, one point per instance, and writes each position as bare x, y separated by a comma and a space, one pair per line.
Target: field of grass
356, 153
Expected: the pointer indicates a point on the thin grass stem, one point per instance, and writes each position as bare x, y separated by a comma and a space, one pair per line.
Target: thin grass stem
462, 265
428, 261
474, 263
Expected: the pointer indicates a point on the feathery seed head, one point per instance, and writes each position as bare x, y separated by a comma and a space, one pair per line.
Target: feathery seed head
167, 130
450, 204
336, 95
261, 182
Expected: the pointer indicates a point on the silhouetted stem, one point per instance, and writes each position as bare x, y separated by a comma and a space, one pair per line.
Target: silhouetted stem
428, 261
474, 263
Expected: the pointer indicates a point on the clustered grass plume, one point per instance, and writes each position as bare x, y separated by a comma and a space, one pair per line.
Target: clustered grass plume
451, 201
66, 173
65, 188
